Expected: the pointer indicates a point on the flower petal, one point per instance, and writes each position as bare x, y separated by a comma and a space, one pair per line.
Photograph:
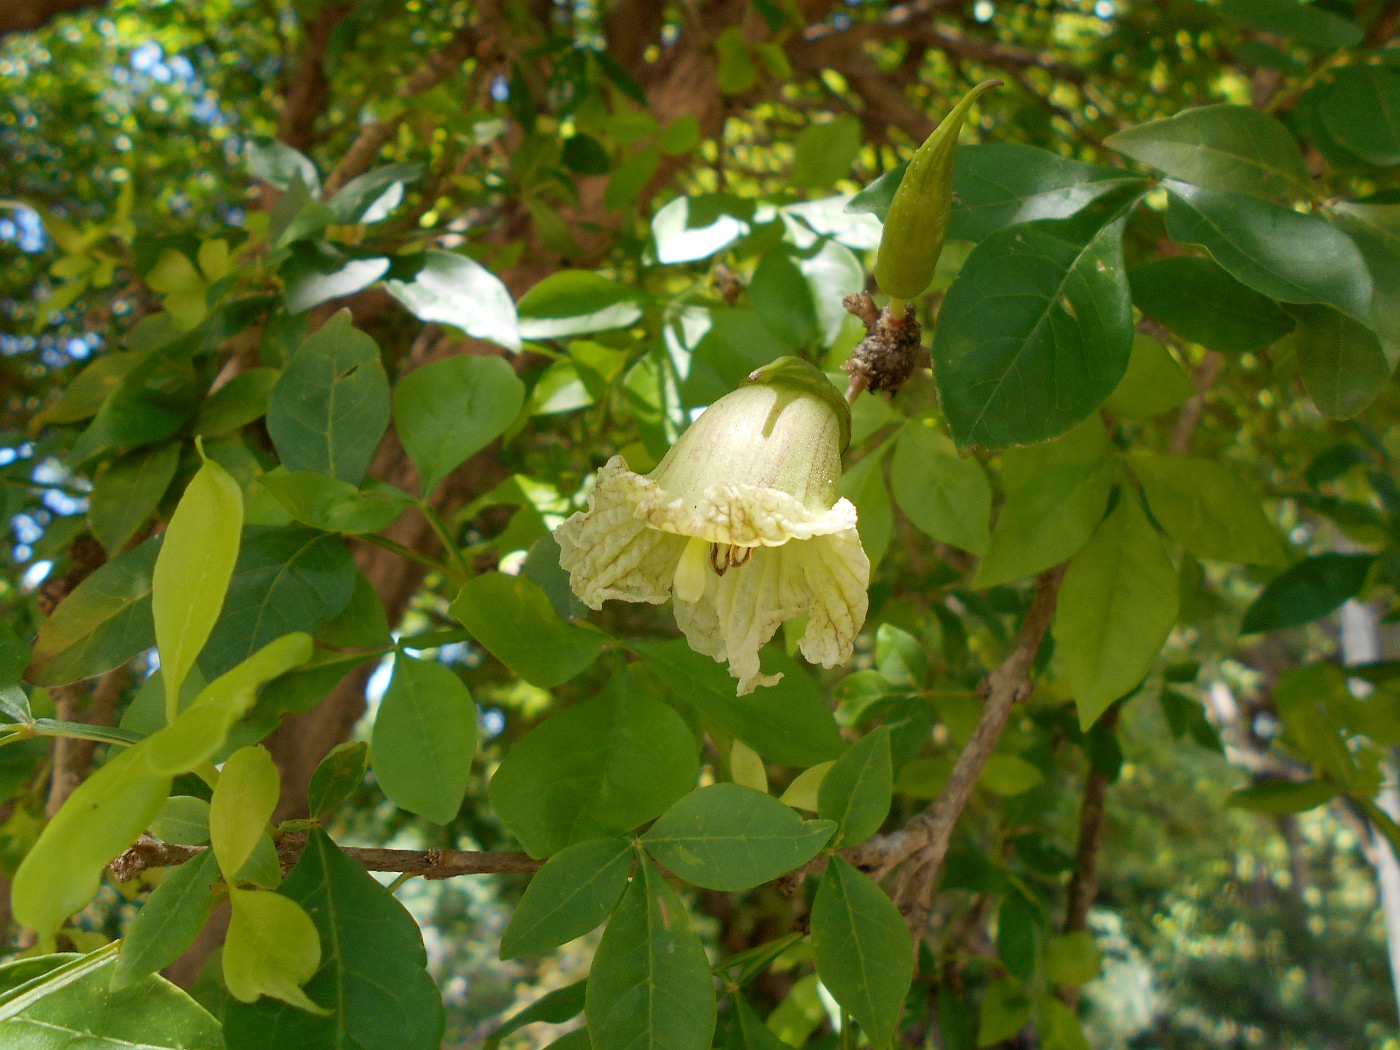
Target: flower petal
837, 575
742, 609
608, 552
743, 515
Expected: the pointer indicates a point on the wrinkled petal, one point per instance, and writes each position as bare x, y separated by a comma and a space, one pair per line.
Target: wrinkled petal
609, 553
741, 610
743, 515
744, 608
837, 575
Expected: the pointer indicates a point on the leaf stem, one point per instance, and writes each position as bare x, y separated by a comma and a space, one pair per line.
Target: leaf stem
449, 544
408, 553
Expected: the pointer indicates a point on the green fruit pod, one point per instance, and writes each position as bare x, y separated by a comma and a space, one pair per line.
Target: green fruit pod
917, 221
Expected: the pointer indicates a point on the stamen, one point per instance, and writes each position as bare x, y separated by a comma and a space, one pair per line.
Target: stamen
726, 556
689, 583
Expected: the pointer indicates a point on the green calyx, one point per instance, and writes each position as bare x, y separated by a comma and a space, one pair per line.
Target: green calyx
809, 379
917, 222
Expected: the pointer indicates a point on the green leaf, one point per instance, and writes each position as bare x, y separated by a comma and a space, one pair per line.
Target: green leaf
513, 619
1005, 1011
946, 496
1282, 254
1005, 183
1058, 1026
372, 972
650, 987
288, 578
690, 229
192, 573
631, 176
183, 819
1019, 926
169, 921
453, 289
150, 403
89, 389
125, 494
1116, 607
1238, 149
280, 165
1198, 300
824, 153
572, 894
576, 302
1341, 361
424, 739
336, 776
102, 624
1035, 333
1008, 776
782, 298
864, 485
272, 948
862, 949
595, 769
856, 790
1056, 494
366, 198
729, 837
1361, 108
1208, 508
238, 402
324, 502
747, 1030
447, 411
77, 998
243, 803
1154, 383
1308, 24
556, 1007
316, 273
102, 817
1307, 591
1072, 959
201, 730
1376, 230
789, 723
1283, 796
331, 404
831, 273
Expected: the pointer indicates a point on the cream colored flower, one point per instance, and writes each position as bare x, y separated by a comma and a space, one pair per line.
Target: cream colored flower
740, 522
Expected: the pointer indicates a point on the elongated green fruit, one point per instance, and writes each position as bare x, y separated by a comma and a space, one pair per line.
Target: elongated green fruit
917, 221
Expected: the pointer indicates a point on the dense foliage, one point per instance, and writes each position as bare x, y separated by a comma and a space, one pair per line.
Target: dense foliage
321, 318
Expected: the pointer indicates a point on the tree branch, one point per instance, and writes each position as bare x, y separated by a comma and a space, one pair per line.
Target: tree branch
431, 864
374, 135
923, 842
307, 94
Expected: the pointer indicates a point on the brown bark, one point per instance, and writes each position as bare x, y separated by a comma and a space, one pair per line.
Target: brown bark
25, 16
309, 89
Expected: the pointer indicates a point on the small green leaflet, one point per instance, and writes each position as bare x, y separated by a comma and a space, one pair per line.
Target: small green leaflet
193, 571
862, 948
372, 972
424, 739
729, 837
514, 620
572, 894
649, 946
1116, 607
855, 792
